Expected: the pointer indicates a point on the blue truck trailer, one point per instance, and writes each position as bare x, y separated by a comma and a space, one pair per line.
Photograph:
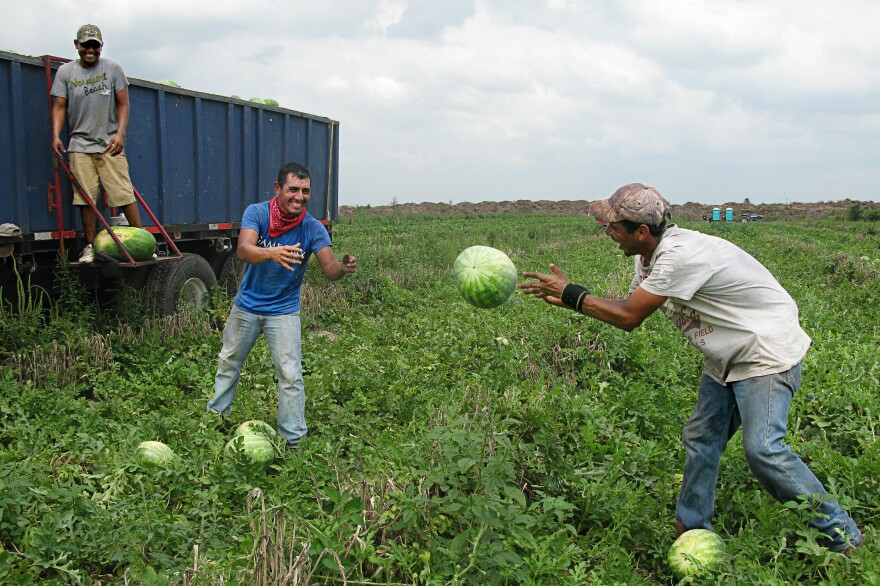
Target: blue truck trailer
197, 160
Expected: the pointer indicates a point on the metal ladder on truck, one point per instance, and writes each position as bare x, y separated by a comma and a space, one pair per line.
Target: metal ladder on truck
171, 252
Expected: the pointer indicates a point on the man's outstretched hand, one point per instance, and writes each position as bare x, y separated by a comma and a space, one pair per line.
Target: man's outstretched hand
546, 287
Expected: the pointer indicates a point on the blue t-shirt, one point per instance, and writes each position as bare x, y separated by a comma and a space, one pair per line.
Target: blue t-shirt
268, 288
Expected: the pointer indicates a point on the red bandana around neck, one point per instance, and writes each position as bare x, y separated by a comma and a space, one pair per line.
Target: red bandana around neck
279, 222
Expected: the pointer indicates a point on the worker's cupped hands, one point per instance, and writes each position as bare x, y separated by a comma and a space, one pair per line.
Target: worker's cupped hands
287, 256
546, 286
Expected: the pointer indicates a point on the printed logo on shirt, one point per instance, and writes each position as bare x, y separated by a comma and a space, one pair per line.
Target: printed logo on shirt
74, 83
688, 321
103, 89
266, 243
661, 277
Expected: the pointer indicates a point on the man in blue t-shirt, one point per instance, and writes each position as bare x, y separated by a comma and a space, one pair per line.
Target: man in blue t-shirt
277, 239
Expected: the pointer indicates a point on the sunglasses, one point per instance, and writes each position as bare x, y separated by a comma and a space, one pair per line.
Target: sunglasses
91, 45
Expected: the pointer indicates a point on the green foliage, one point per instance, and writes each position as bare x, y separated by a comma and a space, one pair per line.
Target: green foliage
22, 320
854, 212
36, 317
857, 213
447, 444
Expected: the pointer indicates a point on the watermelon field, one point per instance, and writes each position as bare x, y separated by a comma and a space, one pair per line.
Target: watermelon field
447, 444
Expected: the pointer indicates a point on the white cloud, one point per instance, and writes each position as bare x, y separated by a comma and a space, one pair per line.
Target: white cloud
383, 90
388, 14
560, 5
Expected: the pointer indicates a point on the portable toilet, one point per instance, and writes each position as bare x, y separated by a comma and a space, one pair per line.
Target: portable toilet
716, 214
728, 214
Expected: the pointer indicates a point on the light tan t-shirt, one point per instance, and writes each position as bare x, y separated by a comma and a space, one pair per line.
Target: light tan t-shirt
727, 304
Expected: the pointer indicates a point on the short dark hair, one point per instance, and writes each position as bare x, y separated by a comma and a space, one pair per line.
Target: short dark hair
298, 170
631, 227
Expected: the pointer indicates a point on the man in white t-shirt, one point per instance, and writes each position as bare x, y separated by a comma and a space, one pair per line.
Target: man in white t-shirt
734, 311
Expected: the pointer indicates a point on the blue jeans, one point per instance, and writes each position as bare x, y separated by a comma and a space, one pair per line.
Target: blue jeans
283, 335
760, 406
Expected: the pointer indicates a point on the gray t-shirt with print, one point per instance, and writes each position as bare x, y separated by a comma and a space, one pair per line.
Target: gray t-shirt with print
728, 305
91, 103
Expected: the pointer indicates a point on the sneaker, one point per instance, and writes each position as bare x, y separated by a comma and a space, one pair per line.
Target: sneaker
88, 255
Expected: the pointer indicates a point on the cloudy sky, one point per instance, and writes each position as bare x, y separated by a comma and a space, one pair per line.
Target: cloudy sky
475, 100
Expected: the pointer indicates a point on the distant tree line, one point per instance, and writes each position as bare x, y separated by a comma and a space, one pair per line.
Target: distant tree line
857, 213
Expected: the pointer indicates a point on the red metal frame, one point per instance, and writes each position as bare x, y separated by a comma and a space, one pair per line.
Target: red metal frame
156, 222
100, 216
55, 190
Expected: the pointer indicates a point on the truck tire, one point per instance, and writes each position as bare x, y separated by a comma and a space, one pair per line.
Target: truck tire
231, 273
187, 282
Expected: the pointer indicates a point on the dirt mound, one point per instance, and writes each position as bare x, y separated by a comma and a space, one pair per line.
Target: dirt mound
688, 211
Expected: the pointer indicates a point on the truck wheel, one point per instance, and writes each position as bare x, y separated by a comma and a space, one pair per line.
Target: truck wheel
231, 274
186, 282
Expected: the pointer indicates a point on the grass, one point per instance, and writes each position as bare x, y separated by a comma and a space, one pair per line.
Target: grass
447, 445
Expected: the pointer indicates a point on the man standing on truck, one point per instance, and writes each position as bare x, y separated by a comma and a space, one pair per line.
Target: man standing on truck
734, 311
276, 240
92, 94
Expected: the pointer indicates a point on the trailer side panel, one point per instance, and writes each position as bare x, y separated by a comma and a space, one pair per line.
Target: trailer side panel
196, 158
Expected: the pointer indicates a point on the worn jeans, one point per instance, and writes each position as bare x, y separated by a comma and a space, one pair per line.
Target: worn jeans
283, 335
760, 406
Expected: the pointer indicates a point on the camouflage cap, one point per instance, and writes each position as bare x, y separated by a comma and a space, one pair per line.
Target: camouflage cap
88, 32
634, 202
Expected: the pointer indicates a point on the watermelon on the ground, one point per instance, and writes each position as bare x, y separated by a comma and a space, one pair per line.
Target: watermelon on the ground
254, 446
696, 551
141, 245
485, 276
155, 453
256, 426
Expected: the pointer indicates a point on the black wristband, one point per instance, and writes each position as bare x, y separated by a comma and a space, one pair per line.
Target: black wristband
573, 295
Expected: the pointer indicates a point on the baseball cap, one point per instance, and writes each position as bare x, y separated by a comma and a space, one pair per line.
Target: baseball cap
635, 202
88, 32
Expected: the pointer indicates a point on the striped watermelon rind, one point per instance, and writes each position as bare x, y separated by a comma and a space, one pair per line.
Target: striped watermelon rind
485, 276
257, 426
139, 243
154, 453
256, 447
695, 552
